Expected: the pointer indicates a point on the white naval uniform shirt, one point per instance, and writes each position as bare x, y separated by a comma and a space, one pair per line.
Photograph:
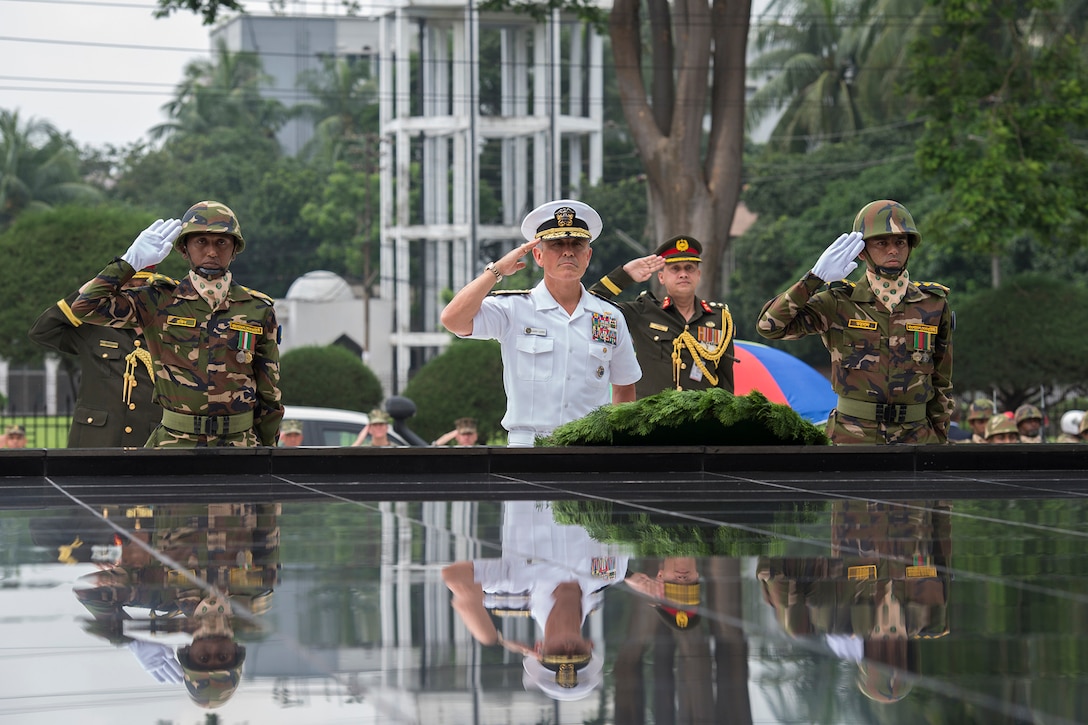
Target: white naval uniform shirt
539, 554
555, 368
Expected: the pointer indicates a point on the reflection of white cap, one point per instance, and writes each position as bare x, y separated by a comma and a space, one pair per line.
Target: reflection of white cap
585, 679
562, 219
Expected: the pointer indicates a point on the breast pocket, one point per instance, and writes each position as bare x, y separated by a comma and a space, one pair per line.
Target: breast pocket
860, 349
180, 345
600, 364
535, 358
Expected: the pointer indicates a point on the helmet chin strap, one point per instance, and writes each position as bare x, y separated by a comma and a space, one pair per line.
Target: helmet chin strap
210, 272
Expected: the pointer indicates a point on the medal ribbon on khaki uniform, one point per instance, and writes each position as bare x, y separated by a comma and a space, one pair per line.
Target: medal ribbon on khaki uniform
699, 353
889, 290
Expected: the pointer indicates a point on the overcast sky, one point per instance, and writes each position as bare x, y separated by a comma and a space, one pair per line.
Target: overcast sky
100, 70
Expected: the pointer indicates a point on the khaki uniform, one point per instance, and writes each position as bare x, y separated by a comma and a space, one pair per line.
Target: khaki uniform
219, 370
110, 411
669, 358
891, 370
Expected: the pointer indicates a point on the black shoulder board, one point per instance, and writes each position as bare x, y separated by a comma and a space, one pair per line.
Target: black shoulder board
719, 305
510, 292
259, 295
611, 302
933, 288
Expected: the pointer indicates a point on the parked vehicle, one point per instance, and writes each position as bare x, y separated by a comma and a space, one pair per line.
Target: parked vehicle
331, 426
337, 427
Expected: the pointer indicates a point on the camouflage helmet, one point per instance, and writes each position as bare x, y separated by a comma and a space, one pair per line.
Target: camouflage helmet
998, 424
1083, 426
885, 216
213, 217
1027, 412
211, 688
981, 409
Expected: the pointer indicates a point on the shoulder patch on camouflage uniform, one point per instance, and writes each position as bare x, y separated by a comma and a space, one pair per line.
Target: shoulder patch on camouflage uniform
840, 284
933, 288
156, 279
509, 292
259, 295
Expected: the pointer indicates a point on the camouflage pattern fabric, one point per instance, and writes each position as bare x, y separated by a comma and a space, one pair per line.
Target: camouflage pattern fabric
903, 357
818, 595
234, 547
206, 363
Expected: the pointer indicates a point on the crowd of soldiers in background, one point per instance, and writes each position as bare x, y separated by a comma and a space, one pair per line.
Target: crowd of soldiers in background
1024, 425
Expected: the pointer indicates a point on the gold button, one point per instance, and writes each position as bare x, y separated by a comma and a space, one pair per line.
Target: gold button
128, 428
104, 355
90, 420
132, 406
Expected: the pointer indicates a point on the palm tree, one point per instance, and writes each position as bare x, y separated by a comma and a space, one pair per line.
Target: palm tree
344, 113
221, 93
810, 72
39, 167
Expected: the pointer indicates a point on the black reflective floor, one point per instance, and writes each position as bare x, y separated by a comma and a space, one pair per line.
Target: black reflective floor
909, 598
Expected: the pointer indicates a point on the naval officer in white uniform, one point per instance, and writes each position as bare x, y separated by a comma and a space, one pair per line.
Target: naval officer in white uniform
563, 349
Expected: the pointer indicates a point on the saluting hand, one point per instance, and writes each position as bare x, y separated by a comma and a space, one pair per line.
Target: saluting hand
512, 261
837, 261
153, 245
641, 269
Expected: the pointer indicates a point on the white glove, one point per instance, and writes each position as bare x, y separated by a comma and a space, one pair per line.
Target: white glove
153, 245
158, 660
837, 261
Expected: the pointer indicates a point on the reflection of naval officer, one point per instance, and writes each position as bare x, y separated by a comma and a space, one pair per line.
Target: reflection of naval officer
553, 573
884, 588
114, 407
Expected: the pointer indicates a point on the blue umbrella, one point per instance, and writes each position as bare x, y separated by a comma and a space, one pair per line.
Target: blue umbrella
782, 378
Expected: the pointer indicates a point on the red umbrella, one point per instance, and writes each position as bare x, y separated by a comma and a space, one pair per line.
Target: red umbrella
782, 378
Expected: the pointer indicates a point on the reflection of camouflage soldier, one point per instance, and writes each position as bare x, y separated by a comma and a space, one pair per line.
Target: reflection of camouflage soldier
233, 547
211, 688
114, 407
216, 372
884, 588
891, 370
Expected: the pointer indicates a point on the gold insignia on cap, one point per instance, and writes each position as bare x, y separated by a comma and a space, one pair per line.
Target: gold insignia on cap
681, 619
681, 245
564, 216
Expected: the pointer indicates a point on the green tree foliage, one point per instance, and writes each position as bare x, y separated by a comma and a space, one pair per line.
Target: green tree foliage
345, 219
1004, 90
1021, 336
465, 380
51, 253
39, 167
328, 377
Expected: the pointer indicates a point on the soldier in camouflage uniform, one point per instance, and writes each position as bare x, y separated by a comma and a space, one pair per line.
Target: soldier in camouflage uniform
1029, 424
890, 338
682, 342
978, 415
213, 341
884, 588
115, 406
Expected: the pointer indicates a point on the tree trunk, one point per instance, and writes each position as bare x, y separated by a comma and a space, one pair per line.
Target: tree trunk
690, 191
